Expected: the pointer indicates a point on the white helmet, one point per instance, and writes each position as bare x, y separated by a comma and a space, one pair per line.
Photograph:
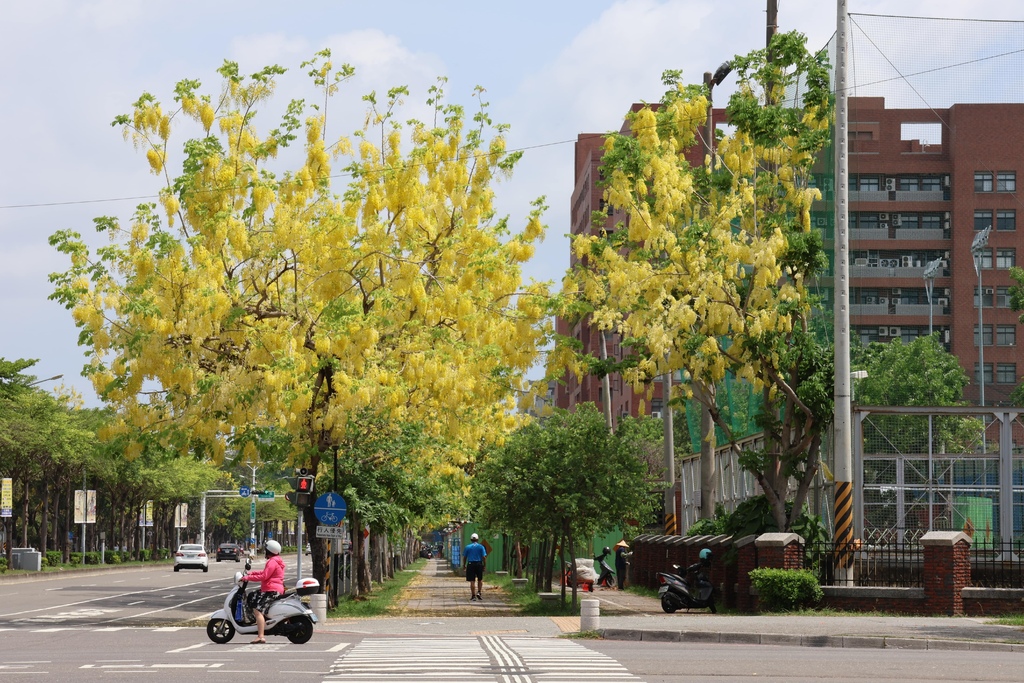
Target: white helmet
474, 537
273, 547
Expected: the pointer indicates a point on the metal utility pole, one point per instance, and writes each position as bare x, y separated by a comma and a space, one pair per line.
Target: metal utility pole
671, 518
843, 534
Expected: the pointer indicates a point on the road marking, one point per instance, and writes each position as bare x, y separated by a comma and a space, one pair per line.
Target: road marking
339, 647
183, 649
55, 589
137, 602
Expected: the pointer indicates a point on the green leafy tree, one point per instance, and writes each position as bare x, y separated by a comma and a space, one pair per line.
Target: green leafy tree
564, 479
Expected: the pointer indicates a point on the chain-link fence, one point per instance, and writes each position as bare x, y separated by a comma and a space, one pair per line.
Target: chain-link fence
944, 469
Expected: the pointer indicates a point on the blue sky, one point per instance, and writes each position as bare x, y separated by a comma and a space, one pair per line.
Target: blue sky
551, 70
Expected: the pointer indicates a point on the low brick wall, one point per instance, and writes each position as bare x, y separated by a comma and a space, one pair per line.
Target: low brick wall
908, 601
984, 602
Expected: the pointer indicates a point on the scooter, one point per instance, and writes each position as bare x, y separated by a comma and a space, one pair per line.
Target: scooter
677, 591
607, 576
287, 616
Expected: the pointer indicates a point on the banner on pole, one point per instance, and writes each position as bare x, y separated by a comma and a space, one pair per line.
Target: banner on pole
146, 514
85, 506
6, 498
181, 516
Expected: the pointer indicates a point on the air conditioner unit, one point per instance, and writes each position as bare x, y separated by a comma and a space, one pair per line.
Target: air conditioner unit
945, 224
946, 255
656, 413
945, 181
883, 225
883, 300
883, 216
890, 184
946, 336
946, 215
894, 331
821, 222
883, 331
908, 261
897, 300
946, 291
943, 302
897, 220
870, 299
860, 261
897, 291
988, 290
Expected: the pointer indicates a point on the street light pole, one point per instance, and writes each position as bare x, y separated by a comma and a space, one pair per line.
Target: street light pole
978, 247
931, 271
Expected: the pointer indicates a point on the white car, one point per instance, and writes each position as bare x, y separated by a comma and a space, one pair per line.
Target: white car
191, 556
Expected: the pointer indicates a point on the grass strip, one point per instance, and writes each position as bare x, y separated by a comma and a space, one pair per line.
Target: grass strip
380, 600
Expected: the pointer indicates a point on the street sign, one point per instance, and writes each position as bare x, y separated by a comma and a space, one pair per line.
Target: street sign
330, 532
245, 492
252, 511
330, 509
266, 495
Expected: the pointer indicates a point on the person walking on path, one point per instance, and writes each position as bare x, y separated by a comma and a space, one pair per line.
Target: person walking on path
475, 555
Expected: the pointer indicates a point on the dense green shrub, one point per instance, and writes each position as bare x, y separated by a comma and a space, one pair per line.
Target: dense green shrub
3, 564
146, 555
783, 590
75, 558
53, 558
112, 557
92, 557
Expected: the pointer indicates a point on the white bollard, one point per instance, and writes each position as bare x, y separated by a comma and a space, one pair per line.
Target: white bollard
318, 603
590, 615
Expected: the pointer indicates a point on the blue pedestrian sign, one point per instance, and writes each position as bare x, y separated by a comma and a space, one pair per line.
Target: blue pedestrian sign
245, 492
330, 509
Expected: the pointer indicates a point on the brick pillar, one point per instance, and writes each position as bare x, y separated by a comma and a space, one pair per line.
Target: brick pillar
739, 583
947, 570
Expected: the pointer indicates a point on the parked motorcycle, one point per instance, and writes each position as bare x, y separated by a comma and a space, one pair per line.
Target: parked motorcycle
606, 577
680, 590
287, 616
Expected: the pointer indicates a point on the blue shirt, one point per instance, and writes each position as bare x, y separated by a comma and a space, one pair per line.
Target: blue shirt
474, 552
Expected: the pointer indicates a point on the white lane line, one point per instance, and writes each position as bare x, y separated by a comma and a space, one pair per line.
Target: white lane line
339, 647
184, 649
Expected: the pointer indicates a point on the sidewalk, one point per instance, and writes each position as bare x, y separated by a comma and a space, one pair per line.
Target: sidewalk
436, 603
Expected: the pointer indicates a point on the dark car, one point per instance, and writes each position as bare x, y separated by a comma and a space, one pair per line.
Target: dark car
229, 551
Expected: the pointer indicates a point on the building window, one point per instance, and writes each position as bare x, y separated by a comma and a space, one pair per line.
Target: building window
1002, 297
984, 258
982, 181
867, 335
867, 221
931, 221
865, 183
1006, 220
988, 373
1006, 181
987, 300
988, 335
1006, 373
1006, 258
908, 184
982, 219
1006, 335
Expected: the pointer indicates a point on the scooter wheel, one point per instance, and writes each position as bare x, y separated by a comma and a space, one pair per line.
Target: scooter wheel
667, 604
303, 630
220, 630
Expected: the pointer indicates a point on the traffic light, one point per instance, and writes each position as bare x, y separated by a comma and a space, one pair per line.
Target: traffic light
304, 484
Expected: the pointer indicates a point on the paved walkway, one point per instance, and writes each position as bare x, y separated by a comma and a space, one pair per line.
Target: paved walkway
436, 603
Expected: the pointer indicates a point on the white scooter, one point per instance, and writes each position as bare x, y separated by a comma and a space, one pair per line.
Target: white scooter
287, 616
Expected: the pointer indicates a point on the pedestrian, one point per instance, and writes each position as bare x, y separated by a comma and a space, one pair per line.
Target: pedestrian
474, 556
621, 553
271, 579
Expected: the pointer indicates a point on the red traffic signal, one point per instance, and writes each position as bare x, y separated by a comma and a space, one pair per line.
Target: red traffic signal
304, 485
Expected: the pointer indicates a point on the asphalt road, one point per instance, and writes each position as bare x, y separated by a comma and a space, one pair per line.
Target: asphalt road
131, 624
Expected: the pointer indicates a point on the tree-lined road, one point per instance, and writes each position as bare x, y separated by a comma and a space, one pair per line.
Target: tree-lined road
123, 597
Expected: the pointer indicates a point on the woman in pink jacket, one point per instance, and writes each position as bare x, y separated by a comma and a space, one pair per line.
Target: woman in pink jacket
271, 580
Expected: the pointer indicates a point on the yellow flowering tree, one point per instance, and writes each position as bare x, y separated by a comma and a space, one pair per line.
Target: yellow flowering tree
708, 272
255, 300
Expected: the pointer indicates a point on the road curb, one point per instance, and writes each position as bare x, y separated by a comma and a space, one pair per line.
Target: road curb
848, 642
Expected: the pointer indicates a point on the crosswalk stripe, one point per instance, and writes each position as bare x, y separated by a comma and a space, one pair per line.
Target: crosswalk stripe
484, 659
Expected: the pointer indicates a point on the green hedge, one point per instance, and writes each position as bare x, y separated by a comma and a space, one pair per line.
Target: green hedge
53, 558
784, 590
3, 564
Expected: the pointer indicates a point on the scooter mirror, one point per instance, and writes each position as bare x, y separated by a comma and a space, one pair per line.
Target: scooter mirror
248, 565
